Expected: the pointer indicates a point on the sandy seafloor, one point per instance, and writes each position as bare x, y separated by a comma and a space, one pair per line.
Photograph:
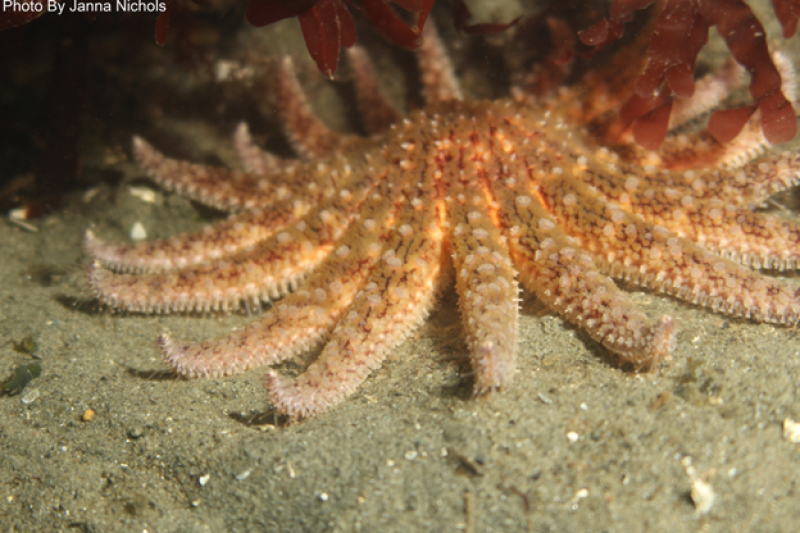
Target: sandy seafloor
573, 444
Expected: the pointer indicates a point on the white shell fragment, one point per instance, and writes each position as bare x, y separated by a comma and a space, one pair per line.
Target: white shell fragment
138, 233
145, 194
30, 396
19, 216
20, 213
791, 430
703, 496
702, 492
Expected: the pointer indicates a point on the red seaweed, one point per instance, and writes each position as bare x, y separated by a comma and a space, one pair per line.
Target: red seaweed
327, 24
162, 24
680, 32
788, 13
326, 28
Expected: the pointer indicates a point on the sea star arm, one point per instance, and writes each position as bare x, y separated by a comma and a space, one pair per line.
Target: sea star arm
702, 150
714, 208
649, 255
755, 239
485, 282
304, 318
239, 232
638, 188
395, 301
568, 281
229, 190
308, 135
254, 159
377, 112
276, 265
439, 82
295, 193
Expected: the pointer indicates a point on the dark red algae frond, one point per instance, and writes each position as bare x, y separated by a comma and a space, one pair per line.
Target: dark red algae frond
680, 32
327, 24
788, 13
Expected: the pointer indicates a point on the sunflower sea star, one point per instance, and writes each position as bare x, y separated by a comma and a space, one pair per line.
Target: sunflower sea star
359, 238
